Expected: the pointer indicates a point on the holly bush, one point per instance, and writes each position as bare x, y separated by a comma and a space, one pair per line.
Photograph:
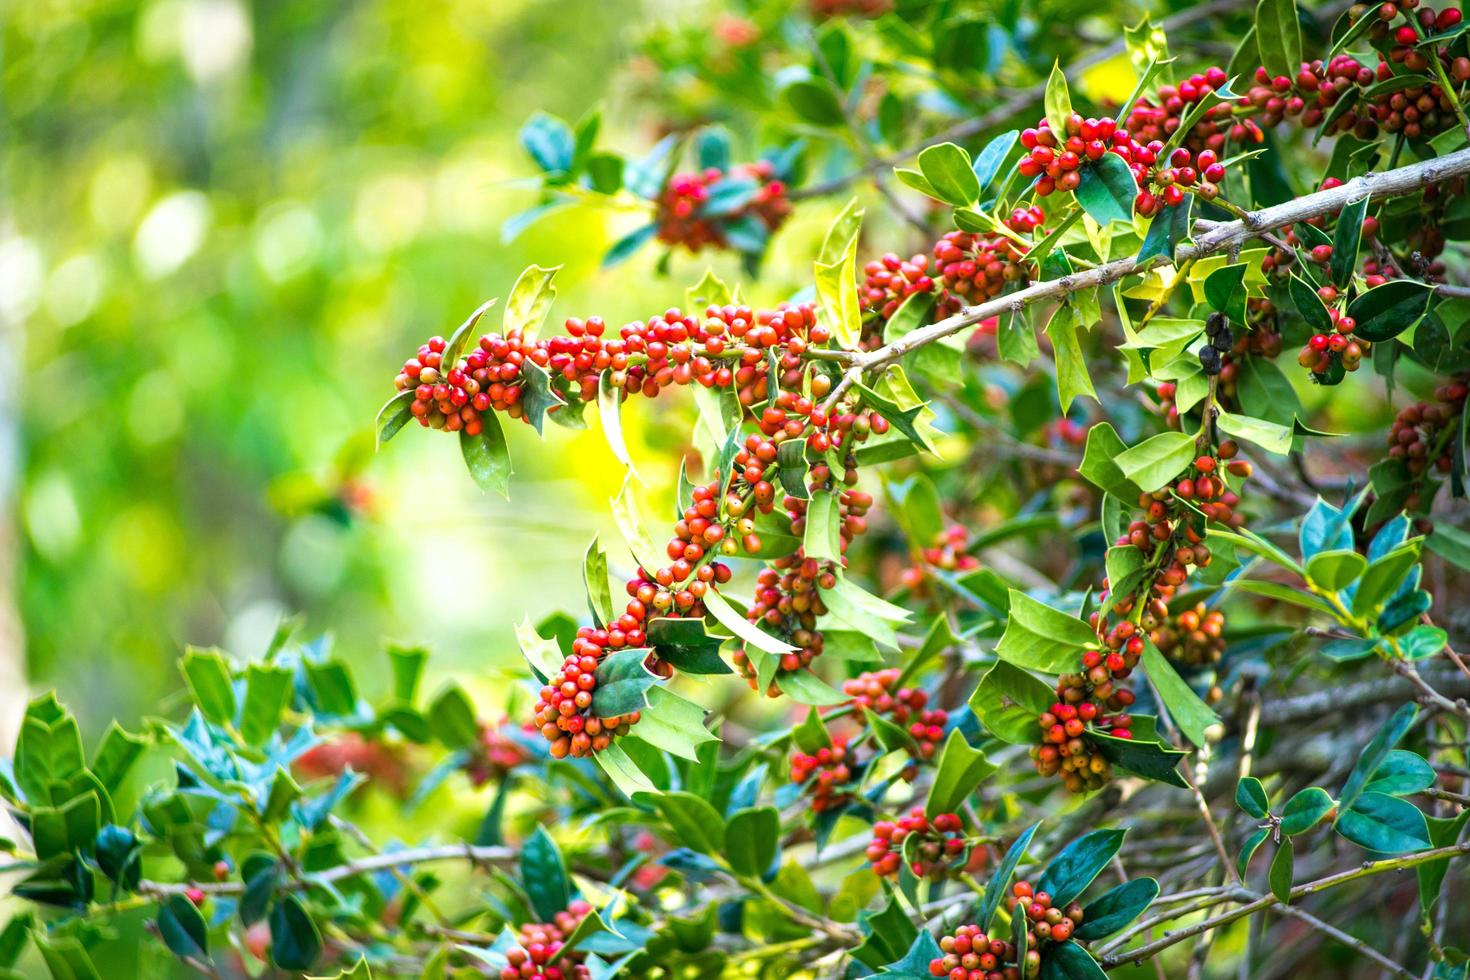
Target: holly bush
1042, 603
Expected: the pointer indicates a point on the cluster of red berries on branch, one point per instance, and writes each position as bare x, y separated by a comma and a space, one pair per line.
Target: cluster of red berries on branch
825, 775
1423, 435
540, 943
563, 712
934, 849
682, 214
1323, 352
1171, 533
1091, 698
907, 707
496, 754
969, 954
1157, 120
948, 552
1046, 922
727, 348
1056, 162
890, 280
1193, 638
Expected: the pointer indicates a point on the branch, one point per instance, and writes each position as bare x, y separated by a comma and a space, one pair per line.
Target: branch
1002, 113
364, 865
1366, 870
1219, 238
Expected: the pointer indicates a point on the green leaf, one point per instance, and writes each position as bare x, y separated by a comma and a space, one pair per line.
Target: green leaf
1401, 774
1282, 868
529, 301
1309, 304
182, 928
804, 687
537, 396
1168, 228
1270, 436
1451, 544
673, 723
1345, 241
892, 737
1154, 462
947, 169
1386, 311
296, 943
1100, 466
1192, 715
208, 676
487, 456
1000, 881
1442, 833
1142, 757
267, 693
685, 644
1106, 189
1071, 871
1335, 570
544, 876
595, 580
115, 756
622, 683
1225, 290
1385, 824
741, 627
961, 769
609, 410
1305, 810
1073, 378
709, 291
1058, 102
393, 416
1068, 961
451, 717
1251, 797
813, 102
1039, 637
823, 538
1015, 339
1377, 750
811, 735
893, 943
1008, 702
550, 143
540, 653
623, 771
1115, 908
988, 162
695, 823
1279, 37
752, 840
1248, 849
408, 667
1384, 576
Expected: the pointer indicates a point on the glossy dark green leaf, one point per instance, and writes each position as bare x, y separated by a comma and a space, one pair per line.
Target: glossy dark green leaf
1225, 290
1069, 873
1106, 189
1008, 701
1142, 757
687, 645
544, 876
182, 929
695, 823
1304, 297
1169, 227
1279, 36
1385, 824
1039, 637
1000, 879
1069, 961
1307, 808
622, 683
1117, 907
989, 160
1402, 773
1251, 797
960, 770
1386, 311
394, 415
1377, 751
1346, 239
948, 170
296, 942
1190, 713
1283, 865
1248, 849
486, 455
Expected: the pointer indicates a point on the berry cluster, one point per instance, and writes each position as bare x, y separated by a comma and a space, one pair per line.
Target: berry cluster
1047, 923
1057, 163
932, 848
1157, 121
890, 280
826, 774
1193, 638
1170, 534
1065, 748
539, 943
1324, 353
1219, 340
1423, 436
946, 553
682, 217
563, 711
495, 756
726, 348
906, 707
970, 954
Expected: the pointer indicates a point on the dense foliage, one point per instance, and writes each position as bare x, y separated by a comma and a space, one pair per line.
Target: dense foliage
1017, 608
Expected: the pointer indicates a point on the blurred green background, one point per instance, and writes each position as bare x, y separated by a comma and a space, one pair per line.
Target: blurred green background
226, 226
